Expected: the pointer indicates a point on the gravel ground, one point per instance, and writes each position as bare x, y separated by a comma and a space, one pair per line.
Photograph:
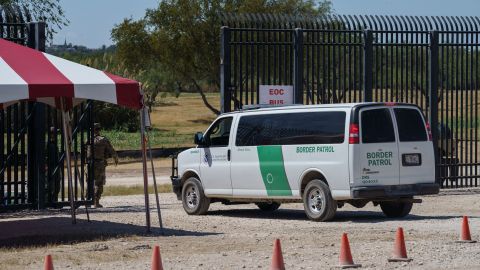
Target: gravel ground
135, 180
236, 237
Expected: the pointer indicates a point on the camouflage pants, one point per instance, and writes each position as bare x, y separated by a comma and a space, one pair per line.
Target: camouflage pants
53, 188
100, 180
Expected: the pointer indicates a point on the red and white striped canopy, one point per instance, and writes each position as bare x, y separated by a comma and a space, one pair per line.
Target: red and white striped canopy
27, 74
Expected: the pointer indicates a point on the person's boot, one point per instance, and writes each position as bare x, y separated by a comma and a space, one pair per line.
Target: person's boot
97, 204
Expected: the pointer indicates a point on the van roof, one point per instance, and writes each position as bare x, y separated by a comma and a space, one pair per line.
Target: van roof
315, 106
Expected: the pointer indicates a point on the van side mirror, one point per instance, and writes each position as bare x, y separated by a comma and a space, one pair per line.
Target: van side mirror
199, 139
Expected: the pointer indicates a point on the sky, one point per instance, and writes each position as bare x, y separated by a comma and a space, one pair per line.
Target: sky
408, 7
91, 21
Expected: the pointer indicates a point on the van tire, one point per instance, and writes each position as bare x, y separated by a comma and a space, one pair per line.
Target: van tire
194, 200
323, 210
396, 209
268, 206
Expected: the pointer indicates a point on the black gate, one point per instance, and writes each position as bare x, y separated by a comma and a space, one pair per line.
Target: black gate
428, 61
28, 128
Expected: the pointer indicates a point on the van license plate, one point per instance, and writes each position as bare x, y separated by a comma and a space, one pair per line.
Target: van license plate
411, 159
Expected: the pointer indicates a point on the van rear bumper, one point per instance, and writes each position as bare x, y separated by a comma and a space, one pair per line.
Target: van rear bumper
375, 192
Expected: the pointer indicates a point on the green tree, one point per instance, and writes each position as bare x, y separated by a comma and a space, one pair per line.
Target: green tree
112, 116
184, 37
49, 11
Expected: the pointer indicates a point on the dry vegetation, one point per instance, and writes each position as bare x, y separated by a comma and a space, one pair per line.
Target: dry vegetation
134, 190
174, 121
184, 115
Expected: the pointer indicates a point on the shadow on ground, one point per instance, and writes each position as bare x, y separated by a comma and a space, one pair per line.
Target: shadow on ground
60, 230
80, 211
341, 216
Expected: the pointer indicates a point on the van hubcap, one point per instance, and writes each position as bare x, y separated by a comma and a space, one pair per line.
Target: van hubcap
315, 200
191, 197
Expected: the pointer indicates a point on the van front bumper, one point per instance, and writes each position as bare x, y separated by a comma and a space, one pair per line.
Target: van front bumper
377, 192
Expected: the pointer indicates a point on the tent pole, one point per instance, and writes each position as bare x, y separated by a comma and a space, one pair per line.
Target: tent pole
155, 184
81, 180
145, 174
68, 158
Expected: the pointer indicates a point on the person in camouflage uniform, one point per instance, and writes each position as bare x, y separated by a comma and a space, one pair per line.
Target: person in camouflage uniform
102, 150
54, 177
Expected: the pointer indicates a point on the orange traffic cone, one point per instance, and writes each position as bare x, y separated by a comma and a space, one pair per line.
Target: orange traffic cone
346, 260
48, 265
465, 236
399, 250
277, 257
156, 259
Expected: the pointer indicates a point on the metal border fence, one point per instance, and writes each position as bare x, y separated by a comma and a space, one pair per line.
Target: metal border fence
428, 61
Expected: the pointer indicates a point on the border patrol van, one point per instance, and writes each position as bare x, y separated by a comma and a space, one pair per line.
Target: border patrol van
321, 155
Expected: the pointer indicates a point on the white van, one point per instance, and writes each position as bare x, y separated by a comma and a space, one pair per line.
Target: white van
321, 155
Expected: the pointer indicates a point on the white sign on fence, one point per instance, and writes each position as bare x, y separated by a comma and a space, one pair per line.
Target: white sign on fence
276, 94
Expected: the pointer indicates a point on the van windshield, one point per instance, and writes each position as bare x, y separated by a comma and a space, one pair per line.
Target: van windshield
291, 128
411, 127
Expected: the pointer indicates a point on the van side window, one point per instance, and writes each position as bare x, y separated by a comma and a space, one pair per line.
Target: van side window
218, 135
411, 127
377, 126
291, 128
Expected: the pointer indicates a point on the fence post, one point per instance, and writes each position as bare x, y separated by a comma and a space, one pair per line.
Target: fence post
433, 97
298, 66
36, 129
367, 65
225, 64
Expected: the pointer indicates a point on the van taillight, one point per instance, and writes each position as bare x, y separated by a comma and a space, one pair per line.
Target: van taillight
354, 137
429, 130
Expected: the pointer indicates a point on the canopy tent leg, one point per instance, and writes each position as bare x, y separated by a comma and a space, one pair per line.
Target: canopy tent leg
66, 125
81, 180
145, 174
155, 186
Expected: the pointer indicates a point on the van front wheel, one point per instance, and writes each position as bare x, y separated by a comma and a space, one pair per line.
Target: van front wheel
318, 202
396, 209
193, 198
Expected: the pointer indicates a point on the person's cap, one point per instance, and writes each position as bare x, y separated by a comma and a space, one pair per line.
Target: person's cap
97, 126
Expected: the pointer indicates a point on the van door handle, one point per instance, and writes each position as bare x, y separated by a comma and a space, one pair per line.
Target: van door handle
228, 155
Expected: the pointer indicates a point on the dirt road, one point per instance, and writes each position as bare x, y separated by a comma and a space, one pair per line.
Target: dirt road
237, 237
130, 174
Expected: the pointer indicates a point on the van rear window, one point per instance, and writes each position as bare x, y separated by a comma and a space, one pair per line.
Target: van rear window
411, 127
377, 126
291, 128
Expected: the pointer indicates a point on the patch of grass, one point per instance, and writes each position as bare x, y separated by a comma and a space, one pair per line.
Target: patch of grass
134, 190
174, 121
158, 138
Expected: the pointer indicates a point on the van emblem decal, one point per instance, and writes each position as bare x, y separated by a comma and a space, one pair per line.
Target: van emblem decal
269, 178
272, 169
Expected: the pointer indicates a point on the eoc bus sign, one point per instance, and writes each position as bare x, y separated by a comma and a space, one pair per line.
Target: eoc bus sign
276, 94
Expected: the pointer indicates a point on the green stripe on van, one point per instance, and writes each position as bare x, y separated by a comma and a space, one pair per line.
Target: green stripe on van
272, 169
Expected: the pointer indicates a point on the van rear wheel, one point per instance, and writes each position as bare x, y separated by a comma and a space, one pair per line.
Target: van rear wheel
194, 200
396, 209
268, 206
318, 202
